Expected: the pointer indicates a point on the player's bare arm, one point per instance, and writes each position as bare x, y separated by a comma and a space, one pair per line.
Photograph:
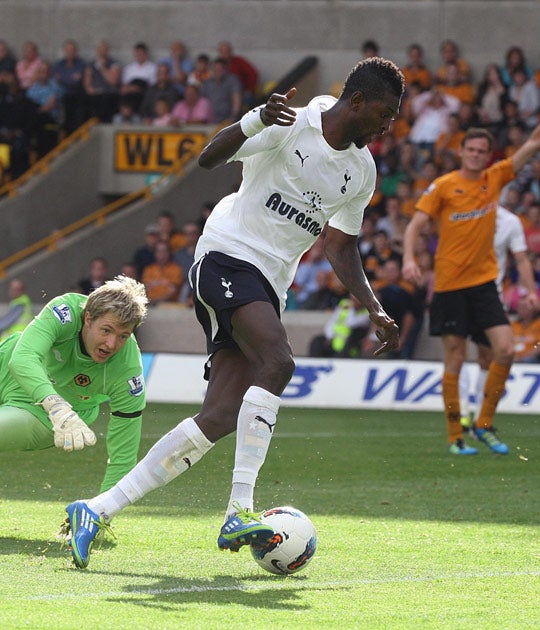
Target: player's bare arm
342, 252
227, 142
410, 269
526, 150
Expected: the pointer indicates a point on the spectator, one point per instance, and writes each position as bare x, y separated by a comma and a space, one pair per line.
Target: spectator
224, 91
184, 257
129, 269
415, 71
138, 75
27, 66
514, 59
169, 232
526, 331
126, 114
454, 85
365, 238
344, 331
68, 72
533, 184
328, 294
163, 88
514, 136
531, 224
162, 113
20, 311
144, 255
450, 55
205, 212
396, 297
47, 95
370, 48
379, 254
243, 69
164, 277
428, 173
180, 65
390, 223
525, 93
194, 108
431, 111
201, 71
101, 83
491, 98
305, 281
7, 60
97, 276
449, 140
18, 120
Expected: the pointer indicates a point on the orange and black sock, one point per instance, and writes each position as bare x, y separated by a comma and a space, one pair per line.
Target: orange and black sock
494, 389
450, 392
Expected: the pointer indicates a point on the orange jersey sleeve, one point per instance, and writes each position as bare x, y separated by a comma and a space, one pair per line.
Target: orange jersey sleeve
464, 211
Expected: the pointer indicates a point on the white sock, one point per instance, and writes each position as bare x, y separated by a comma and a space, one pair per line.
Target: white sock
256, 422
480, 386
172, 455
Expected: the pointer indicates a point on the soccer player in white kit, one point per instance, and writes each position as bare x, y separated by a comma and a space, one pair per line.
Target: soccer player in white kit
509, 238
303, 170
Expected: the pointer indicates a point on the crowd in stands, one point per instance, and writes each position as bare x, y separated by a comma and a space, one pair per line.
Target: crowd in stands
43, 100
39, 99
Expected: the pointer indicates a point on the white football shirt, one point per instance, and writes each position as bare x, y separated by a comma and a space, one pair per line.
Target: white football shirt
509, 237
293, 183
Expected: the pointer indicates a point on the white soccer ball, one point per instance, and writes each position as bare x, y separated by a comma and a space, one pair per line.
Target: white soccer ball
293, 545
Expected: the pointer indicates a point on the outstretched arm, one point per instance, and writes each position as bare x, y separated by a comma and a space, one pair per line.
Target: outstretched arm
342, 251
227, 142
526, 150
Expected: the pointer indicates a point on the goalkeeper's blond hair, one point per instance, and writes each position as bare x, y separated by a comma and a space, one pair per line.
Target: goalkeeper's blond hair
124, 297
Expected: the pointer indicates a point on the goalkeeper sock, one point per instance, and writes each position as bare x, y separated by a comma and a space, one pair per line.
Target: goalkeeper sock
172, 455
493, 391
450, 392
256, 422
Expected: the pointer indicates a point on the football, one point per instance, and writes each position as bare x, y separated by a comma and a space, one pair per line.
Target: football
293, 544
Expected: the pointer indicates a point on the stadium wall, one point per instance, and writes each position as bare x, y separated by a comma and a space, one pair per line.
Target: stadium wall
275, 34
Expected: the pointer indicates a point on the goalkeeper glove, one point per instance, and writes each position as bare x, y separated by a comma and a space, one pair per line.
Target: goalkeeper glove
70, 432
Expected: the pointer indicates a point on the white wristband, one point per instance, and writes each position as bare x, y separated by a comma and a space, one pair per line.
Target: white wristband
251, 123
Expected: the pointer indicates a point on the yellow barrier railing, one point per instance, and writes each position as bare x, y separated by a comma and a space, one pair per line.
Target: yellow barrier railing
42, 166
98, 217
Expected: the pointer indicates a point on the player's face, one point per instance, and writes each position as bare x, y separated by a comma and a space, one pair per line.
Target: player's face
104, 336
475, 154
374, 118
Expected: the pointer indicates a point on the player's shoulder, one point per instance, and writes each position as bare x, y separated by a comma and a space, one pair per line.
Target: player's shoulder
67, 308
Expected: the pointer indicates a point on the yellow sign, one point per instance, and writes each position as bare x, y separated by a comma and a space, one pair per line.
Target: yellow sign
154, 151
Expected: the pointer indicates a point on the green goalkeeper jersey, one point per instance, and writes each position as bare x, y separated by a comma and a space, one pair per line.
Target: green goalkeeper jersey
47, 358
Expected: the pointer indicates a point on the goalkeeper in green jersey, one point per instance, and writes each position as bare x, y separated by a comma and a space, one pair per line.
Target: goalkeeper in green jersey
77, 353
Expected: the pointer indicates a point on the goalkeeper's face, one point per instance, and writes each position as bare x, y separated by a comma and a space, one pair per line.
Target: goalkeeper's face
104, 336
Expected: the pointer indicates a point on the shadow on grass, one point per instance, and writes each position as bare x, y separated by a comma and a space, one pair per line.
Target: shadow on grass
169, 592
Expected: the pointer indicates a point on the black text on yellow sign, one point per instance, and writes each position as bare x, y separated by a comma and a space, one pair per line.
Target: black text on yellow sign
150, 152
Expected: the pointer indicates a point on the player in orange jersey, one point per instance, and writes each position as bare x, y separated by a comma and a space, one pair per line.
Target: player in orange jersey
463, 204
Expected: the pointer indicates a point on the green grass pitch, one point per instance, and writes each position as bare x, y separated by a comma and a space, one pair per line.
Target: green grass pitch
409, 536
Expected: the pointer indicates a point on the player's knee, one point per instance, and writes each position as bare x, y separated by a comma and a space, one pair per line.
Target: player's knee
277, 371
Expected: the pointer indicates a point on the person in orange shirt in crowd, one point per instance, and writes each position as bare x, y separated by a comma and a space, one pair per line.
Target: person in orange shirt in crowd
449, 140
454, 85
163, 278
450, 54
526, 331
169, 232
531, 224
416, 71
466, 300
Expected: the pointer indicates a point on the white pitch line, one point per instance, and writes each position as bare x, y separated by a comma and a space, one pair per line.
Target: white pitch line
323, 435
285, 584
